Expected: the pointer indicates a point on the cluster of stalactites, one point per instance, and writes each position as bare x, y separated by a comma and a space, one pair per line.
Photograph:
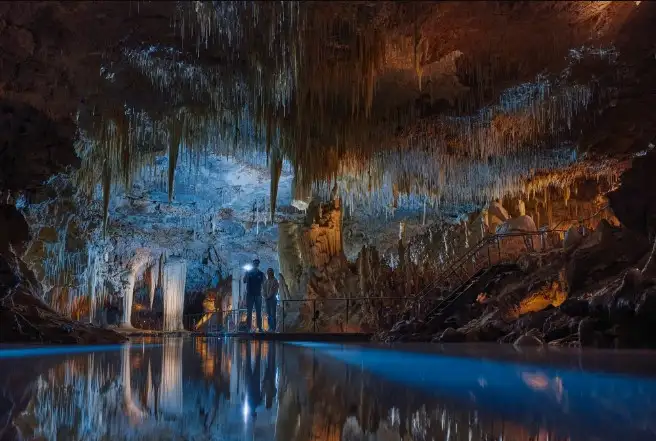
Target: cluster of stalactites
299, 82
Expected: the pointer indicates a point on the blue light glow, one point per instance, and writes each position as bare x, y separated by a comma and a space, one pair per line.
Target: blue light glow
60, 350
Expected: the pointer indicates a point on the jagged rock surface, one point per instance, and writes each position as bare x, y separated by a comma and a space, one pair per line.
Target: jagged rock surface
23, 314
592, 296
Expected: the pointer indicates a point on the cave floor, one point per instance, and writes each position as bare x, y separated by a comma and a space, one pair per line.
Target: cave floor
192, 388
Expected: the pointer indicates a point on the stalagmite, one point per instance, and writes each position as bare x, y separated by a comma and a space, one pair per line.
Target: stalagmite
174, 150
135, 268
173, 291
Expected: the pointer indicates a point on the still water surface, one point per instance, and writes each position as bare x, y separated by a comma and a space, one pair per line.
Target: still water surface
214, 389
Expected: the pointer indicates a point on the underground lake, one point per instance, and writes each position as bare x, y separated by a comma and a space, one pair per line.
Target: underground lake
226, 389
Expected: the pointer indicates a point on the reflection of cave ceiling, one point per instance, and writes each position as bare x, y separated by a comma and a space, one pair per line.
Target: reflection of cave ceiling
409, 107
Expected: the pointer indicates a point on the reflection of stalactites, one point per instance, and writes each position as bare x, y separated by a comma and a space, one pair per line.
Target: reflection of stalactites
135, 411
276, 171
150, 393
170, 392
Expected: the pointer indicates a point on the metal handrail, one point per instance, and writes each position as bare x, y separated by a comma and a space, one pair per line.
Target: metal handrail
459, 262
191, 323
348, 300
449, 270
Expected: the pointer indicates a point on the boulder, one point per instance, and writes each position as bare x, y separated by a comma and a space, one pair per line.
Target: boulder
451, 335
587, 331
533, 320
605, 253
559, 325
575, 307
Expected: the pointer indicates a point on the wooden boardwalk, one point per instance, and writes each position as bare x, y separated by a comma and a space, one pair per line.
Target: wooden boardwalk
339, 337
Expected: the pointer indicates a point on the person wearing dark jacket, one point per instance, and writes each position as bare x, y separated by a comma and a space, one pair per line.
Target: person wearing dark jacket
270, 294
254, 279
253, 377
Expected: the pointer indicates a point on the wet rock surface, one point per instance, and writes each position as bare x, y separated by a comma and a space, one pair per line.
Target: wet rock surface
593, 296
24, 317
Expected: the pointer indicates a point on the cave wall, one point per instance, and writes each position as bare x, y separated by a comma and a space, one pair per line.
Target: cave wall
23, 314
634, 202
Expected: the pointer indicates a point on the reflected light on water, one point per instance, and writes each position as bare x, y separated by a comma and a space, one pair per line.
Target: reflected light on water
246, 412
165, 393
170, 392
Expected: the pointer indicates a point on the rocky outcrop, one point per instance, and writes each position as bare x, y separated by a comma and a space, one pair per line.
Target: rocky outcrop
315, 271
24, 317
605, 253
590, 296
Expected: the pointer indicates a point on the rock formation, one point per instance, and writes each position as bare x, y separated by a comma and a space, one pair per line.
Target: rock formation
121, 134
23, 314
591, 294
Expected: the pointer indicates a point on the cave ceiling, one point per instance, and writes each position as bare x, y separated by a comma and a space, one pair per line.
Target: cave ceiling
402, 105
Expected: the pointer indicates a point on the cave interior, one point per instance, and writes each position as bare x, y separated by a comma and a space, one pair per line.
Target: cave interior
362, 150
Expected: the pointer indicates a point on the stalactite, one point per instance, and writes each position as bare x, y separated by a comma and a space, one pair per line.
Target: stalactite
153, 277
276, 171
106, 186
174, 148
160, 270
320, 107
128, 297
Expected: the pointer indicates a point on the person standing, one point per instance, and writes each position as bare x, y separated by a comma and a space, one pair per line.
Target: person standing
270, 293
254, 278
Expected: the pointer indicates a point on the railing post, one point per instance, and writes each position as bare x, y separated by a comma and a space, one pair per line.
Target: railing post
347, 314
282, 328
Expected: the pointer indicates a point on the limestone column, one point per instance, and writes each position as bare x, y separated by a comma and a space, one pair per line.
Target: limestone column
173, 289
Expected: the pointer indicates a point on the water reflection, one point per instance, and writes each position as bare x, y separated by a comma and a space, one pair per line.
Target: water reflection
211, 389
